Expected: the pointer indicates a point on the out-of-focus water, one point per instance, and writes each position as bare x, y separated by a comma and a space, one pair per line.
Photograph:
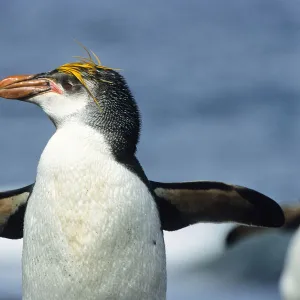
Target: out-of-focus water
217, 83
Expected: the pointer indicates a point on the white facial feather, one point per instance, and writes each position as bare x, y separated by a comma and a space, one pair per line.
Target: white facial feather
61, 106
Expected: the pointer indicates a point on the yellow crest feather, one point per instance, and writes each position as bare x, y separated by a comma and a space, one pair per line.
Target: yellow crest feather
87, 65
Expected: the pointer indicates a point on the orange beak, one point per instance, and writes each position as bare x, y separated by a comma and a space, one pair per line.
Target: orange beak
26, 86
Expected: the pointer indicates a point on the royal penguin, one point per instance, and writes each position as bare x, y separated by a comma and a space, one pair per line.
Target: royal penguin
92, 221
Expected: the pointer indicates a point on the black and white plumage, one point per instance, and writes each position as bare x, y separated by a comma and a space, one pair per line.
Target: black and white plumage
93, 221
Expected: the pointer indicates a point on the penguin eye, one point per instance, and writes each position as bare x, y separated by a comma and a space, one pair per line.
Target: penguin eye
68, 86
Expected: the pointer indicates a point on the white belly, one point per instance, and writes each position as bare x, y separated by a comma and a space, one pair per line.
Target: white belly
92, 229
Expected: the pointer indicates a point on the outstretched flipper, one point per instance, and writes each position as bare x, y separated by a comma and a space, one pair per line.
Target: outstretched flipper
180, 205
187, 203
238, 233
12, 211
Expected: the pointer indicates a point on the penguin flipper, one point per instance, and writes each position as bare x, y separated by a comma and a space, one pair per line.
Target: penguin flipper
186, 203
240, 232
12, 211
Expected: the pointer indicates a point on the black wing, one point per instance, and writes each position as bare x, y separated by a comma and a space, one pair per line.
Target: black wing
12, 211
187, 203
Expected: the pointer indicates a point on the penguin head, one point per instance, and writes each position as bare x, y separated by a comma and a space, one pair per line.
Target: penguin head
82, 92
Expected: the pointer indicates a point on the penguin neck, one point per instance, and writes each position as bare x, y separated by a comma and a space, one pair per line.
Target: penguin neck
81, 138
74, 146
121, 128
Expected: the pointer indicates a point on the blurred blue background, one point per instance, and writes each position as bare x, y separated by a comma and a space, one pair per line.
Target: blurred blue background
217, 83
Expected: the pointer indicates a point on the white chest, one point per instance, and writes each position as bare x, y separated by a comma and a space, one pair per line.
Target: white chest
92, 229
